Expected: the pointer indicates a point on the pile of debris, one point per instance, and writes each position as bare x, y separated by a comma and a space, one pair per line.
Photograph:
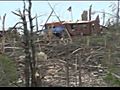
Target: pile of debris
71, 65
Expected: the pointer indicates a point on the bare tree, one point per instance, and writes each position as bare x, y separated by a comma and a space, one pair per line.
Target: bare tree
27, 52
29, 45
103, 18
27, 49
3, 33
33, 61
26, 42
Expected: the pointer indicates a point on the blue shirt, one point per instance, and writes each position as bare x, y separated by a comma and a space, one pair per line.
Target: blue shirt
58, 29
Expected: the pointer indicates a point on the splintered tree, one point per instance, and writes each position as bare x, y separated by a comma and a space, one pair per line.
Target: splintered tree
3, 34
84, 16
29, 46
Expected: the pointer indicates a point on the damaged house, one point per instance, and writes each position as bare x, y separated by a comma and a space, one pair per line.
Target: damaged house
85, 27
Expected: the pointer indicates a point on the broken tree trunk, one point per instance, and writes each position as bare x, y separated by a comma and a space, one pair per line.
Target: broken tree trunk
88, 40
79, 68
67, 73
3, 34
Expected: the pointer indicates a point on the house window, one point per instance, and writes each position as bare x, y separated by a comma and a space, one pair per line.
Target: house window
81, 27
84, 26
73, 27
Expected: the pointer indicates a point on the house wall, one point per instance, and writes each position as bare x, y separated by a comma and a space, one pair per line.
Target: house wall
80, 29
86, 28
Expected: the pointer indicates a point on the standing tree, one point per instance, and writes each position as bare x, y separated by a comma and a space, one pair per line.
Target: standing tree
3, 33
29, 46
32, 39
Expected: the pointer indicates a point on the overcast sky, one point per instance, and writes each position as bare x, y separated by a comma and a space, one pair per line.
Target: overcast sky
42, 8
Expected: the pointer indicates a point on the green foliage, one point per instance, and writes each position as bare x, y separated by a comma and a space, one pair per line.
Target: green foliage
111, 80
8, 72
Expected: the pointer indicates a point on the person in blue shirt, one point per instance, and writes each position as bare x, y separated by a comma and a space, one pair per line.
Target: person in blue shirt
57, 31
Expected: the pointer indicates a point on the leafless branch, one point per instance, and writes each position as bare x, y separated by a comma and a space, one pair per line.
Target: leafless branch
16, 13
17, 24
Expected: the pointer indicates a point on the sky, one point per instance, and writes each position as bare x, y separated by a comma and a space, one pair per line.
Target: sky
42, 9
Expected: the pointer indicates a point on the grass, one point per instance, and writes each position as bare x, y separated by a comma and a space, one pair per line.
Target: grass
8, 71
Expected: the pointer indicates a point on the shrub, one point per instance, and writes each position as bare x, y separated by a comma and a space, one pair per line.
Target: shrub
8, 71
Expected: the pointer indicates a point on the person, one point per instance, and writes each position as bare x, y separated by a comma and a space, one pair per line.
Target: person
57, 31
